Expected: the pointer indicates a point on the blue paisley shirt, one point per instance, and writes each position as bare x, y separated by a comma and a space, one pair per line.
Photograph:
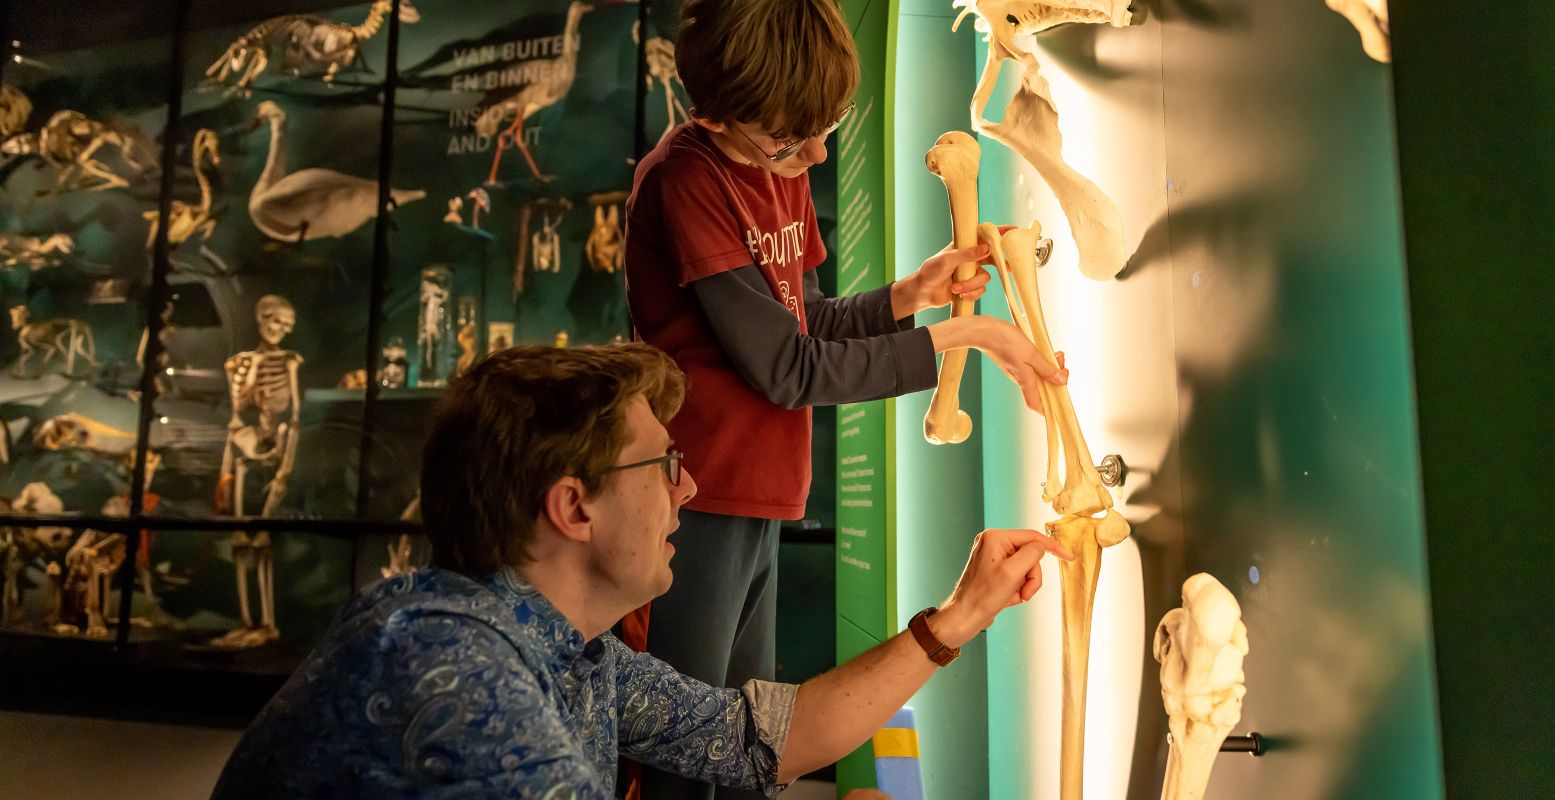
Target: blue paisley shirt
436, 685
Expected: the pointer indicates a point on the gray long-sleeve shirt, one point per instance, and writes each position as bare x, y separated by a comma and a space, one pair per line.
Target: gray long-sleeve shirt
854, 351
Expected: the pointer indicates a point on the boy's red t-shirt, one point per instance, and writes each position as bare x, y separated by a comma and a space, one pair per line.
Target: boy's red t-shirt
694, 212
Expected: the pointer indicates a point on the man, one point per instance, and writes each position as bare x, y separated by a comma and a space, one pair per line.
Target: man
550, 490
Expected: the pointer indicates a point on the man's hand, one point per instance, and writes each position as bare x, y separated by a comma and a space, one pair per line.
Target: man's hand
1003, 570
933, 285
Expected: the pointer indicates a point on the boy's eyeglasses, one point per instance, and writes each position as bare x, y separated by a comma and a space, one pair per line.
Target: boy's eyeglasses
671, 462
788, 150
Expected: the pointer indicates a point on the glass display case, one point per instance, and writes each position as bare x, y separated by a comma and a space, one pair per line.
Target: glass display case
243, 246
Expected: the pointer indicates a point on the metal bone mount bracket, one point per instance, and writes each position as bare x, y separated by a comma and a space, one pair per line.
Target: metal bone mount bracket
1112, 471
1252, 744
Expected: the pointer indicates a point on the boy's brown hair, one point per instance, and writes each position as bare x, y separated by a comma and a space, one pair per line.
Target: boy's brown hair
787, 65
515, 424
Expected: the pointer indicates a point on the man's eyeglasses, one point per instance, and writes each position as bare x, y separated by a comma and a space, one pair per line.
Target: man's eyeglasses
671, 462
788, 150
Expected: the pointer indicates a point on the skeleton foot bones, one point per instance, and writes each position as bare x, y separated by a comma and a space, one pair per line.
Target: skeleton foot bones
1200, 647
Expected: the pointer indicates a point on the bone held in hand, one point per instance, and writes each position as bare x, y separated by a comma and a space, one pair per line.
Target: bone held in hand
954, 158
1200, 647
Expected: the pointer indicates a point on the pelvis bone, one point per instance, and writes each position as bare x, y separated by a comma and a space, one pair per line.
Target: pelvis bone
1200, 647
1030, 126
1370, 18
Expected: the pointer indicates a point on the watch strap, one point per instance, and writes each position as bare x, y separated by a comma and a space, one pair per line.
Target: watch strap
937, 651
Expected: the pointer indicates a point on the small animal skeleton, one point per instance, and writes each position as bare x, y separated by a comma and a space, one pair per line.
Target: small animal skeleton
606, 245
34, 252
86, 581
266, 408
1030, 121
547, 90
529, 240
18, 546
302, 43
547, 244
70, 142
67, 339
312, 203
659, 53
436, 325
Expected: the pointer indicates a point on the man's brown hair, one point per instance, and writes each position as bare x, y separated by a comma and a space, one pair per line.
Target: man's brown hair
787, 65
515, 424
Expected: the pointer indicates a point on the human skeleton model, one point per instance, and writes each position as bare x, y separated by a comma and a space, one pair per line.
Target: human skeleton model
1073, 486
551, 86
301, 43
70, 142
67, 339
1200, 647
1370, 18
187, 219
606, 245
1030, 126
34, 252
312, 203
266, 407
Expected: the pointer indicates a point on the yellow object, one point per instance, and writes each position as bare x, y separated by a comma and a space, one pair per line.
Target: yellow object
896, 743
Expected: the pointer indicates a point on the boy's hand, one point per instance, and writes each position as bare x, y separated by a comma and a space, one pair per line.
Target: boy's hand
933, 285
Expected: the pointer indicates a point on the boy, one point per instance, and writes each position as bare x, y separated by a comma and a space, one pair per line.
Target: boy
721, 247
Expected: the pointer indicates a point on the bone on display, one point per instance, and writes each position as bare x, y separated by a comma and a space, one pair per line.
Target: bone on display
312, 203
303, 43
68, 340
1030, 126
606, 245
266, 399
1200, 647
1370, 18
71, 142
954, 159
34, 252
1073, 487
187, 219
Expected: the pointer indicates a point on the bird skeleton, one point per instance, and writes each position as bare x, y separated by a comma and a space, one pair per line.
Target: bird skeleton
1370, 18
187, 220
1200, 647
1030, 126
1073, 487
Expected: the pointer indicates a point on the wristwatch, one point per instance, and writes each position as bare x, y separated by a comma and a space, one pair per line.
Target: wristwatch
938, 652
